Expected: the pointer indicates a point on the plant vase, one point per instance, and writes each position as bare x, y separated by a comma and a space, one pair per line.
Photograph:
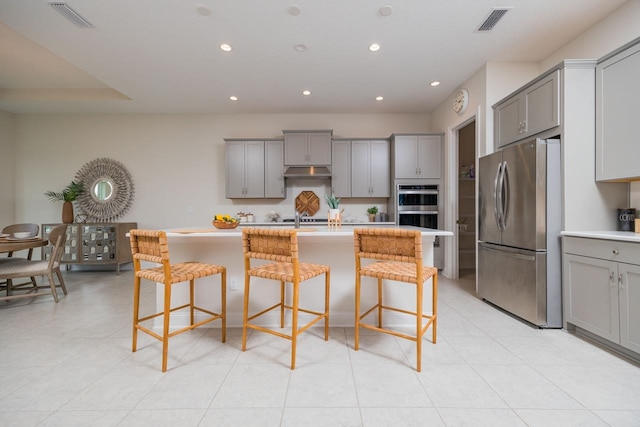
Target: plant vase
334, 213
67, 213
372, 217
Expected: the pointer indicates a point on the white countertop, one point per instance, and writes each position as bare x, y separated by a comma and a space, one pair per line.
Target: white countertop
309, 224
315, 230
626, 236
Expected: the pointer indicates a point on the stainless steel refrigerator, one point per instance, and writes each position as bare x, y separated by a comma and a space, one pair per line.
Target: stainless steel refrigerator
519, 258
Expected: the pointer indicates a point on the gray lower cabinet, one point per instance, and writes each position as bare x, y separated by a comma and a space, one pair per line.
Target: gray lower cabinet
245, 169
531, 110
630, 306
617, 110
274, 185
601, 287
416, 156
101, 243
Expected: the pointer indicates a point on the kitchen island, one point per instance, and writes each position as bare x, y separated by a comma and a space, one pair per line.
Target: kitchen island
317, 244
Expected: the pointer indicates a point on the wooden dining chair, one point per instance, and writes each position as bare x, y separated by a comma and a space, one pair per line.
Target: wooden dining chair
280, 249
152, 246
397, 257
33, 230
13, 268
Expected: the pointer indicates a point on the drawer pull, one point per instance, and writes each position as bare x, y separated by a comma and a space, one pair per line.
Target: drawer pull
616, 252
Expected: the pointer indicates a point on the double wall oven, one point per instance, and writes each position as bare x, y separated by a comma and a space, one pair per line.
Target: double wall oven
418, 203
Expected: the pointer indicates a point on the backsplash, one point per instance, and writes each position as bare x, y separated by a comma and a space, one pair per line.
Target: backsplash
354, 208
634, 195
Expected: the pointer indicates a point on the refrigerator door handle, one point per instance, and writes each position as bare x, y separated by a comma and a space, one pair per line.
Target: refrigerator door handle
498, 193
507, 192
497, 197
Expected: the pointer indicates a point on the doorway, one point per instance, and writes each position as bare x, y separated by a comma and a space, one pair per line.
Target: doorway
467, 200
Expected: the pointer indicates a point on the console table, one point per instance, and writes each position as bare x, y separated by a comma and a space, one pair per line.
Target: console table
94, 243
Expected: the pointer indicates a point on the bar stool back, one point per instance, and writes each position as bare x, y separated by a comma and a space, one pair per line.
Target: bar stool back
398, 258
152, 246
281, 248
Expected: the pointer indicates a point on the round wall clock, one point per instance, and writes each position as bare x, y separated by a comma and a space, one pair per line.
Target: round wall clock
460, 101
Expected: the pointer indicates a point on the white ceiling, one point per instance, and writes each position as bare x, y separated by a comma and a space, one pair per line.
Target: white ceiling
162, 56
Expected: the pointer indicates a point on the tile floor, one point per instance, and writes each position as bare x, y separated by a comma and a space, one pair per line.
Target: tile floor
70, 364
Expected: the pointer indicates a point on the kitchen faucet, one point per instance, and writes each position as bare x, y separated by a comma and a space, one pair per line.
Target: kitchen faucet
297, 217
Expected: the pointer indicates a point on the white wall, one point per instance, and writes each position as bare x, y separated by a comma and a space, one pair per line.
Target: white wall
176, 161
7, 202
613, 31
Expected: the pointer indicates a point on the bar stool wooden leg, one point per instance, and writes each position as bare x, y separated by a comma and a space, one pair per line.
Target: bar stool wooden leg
165, 327
434, 283
326, 306
223, 295
357, 324
245, 311
419, 327
379, 303
136, 311
191, 299
282, 304
294, 321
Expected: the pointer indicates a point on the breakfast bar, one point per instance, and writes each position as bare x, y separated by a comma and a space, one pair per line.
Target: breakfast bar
332, 246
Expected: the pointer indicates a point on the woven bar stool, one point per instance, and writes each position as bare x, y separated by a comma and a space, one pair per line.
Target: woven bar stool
151, 245
398, 255
281, 247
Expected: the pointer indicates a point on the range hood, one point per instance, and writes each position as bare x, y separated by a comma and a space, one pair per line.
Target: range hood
307, 172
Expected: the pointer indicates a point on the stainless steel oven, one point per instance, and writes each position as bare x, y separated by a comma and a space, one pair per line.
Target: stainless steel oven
418, 204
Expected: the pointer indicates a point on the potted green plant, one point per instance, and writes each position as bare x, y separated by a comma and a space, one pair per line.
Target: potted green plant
334, 206
69, 195
372, 211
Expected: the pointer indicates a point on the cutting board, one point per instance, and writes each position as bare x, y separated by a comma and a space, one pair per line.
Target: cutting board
307, 201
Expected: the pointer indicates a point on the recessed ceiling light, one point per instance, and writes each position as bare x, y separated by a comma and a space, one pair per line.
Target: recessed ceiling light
225, 47
203, 10
379, 98
294, 10
386, 10
233, 98
300, 47
306, 92
434, 83
374, 47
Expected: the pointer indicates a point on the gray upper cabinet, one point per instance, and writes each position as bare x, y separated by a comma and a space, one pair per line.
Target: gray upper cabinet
307, 148
370, 168
274, 185
417, 156
341, 168
617, 109
533, 109
245, 169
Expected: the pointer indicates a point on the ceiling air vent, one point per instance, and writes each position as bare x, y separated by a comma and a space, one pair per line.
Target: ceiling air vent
493, 18
73, 16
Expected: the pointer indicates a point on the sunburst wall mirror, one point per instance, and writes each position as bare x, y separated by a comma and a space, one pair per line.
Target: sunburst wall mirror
108, 190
